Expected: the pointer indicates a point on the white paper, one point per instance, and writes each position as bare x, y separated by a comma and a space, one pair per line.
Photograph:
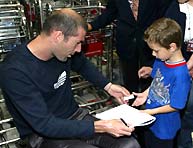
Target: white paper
129, 114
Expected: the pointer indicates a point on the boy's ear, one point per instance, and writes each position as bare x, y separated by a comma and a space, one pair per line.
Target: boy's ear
173, 47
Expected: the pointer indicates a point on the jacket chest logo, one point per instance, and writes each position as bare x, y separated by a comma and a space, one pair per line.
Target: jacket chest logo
61, 80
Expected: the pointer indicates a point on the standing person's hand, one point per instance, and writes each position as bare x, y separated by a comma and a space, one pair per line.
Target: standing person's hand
144, 72
114, 127
89, 27
117, 91
190, 65
191, 72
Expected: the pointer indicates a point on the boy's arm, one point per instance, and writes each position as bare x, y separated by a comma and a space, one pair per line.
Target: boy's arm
160, 110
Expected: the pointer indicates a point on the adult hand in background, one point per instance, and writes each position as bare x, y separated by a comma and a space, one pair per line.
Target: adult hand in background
190, 65
191, 72
89, 27
144, 72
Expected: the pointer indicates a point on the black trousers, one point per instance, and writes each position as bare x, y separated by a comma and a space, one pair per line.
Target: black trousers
101, 140
184, 139
129, 70
151, 141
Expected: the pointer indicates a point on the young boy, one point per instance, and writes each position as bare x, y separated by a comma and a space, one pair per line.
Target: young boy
169, 89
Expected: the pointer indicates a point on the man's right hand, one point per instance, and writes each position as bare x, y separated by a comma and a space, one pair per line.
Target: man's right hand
114, 127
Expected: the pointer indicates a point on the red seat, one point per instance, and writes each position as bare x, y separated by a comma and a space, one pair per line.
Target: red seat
93, 45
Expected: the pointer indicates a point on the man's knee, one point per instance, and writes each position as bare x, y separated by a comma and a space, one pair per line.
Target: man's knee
128, 143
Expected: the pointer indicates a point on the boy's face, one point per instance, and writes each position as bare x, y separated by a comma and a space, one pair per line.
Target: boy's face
160, 52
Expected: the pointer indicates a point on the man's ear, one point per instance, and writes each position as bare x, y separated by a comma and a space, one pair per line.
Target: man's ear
58, 36
173, 47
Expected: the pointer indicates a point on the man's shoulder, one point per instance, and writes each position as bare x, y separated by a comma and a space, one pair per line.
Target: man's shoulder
15, 59
12, 57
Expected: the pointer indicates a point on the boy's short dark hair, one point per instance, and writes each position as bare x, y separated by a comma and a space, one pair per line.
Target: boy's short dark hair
164, 31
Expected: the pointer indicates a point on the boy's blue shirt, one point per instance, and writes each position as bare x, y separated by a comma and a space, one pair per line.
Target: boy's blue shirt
170, 86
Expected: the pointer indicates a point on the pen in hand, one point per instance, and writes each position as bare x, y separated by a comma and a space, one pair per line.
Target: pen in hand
123, 121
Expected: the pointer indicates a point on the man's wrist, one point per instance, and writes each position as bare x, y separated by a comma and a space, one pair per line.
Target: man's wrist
108, 86
100, 126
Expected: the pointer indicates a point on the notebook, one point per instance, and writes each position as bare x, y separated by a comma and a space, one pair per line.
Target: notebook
130, 115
